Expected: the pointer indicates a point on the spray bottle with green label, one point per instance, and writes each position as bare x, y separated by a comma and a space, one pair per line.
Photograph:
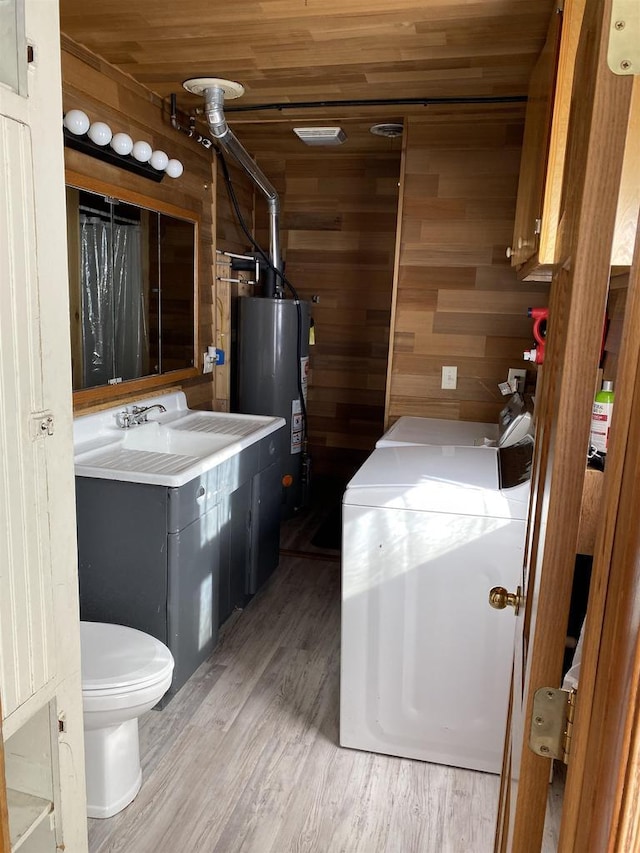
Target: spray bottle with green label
601, 417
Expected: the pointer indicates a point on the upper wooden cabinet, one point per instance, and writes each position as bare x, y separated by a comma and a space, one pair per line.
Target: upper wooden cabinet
544, 146
544, 152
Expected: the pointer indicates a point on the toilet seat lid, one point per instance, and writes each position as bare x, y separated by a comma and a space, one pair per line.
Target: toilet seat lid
115, 657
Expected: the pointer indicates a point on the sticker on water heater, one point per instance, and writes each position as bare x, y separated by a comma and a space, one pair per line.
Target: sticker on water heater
296, 426
304, 373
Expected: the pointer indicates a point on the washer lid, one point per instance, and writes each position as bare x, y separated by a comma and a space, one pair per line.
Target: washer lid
457, 480
116, 657
414, 465
410, 430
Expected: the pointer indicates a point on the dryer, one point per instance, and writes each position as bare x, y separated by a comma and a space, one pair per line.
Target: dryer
426, 662
515, 422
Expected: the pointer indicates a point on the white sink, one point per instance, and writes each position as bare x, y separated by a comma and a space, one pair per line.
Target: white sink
173, 448
158, 438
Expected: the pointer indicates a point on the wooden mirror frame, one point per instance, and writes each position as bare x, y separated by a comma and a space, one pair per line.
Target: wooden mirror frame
104, 393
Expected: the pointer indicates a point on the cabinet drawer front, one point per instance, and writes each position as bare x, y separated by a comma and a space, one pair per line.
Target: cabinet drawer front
192, 500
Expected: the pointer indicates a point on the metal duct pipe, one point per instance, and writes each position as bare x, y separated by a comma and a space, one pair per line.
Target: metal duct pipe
220, 130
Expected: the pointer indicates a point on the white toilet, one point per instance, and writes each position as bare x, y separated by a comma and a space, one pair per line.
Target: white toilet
124, 673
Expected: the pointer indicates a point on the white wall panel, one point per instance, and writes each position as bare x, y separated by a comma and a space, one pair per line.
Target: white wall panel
26, 658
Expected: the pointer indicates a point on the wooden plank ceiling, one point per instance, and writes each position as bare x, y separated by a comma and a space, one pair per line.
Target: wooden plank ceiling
286, 51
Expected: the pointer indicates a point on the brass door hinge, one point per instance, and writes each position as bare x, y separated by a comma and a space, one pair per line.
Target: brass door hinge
623, 55
552, 723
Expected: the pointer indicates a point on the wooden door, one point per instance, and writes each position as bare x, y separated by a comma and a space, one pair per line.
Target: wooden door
603, 784
39, 629
597, 133
27, 643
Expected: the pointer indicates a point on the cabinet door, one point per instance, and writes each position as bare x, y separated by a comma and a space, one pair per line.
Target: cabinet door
37, 551
265, 525
27, 642
122, 554
235, 514
535, 148
192, 602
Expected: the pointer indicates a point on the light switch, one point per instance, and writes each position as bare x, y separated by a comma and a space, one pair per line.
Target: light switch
449, 378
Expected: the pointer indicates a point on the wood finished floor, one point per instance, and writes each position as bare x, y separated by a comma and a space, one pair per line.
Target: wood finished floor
245, 759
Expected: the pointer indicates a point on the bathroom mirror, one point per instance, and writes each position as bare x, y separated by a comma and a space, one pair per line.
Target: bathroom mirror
132, 288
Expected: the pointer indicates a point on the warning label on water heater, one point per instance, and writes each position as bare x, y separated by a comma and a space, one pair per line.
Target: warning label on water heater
296, 426
297, 418
304, 374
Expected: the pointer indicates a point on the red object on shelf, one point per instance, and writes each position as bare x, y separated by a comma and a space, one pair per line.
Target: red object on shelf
540, 317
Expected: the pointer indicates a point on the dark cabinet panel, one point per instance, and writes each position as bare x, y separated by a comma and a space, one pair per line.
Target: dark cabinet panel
265, 526
193, 589
122, 554
235, 515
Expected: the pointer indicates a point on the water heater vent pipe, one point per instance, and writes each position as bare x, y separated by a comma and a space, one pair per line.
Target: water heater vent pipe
215, 90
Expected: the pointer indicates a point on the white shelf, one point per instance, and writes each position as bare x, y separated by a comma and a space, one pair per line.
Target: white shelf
26, 812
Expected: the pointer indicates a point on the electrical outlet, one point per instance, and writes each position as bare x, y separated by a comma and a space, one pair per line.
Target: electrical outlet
449, 377
207, 362
517, 378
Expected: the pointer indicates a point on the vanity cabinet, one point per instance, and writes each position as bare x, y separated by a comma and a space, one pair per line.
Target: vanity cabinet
175, 562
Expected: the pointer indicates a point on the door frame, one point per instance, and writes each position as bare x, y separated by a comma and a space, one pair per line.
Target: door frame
597, 134
603, 785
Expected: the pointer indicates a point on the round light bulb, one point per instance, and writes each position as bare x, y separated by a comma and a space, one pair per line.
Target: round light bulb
141, 151
76, 122
174, 168
122, 143
159, 160
100, 133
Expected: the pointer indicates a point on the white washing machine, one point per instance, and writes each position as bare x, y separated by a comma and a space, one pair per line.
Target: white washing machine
515, 422
426, 662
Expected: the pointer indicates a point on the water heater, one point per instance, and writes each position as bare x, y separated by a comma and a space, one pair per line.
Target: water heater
272, 356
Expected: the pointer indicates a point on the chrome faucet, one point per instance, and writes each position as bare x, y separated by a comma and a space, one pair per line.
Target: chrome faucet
137, 415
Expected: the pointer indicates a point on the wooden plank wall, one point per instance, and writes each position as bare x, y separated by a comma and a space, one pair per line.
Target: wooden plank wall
457, 301
229, 236
105, 93
339, 211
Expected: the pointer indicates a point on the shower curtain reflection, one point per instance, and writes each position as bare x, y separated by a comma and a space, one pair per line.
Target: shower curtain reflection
132, 290
115, 334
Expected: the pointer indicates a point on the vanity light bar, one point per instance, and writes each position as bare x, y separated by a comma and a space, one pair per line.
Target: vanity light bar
97, 140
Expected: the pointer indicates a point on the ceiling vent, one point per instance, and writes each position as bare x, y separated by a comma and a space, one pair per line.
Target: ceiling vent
321, 135
390, 130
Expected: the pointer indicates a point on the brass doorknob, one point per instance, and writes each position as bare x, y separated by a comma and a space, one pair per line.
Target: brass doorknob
500, 598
